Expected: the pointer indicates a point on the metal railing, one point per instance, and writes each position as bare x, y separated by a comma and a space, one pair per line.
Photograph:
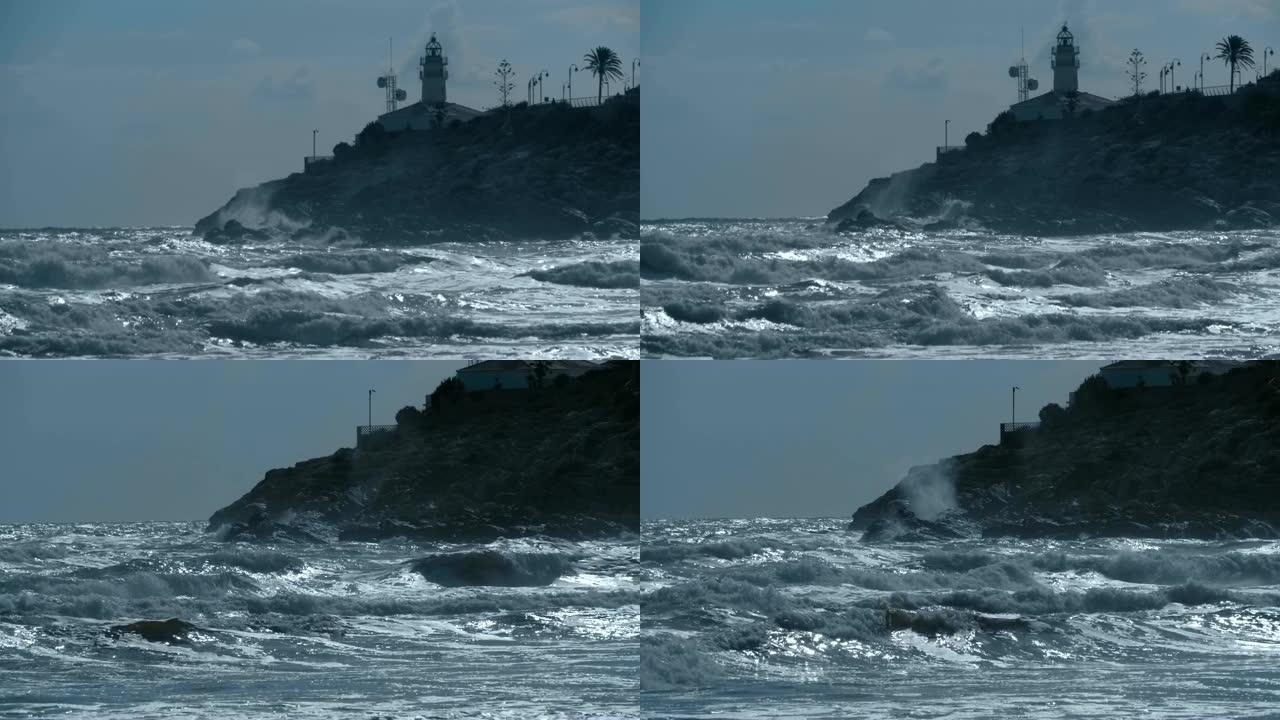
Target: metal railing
1217, 90
943, 149
365, 433
1011, 427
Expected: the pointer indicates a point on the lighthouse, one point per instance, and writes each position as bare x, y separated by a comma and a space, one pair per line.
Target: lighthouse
1066, 63
433, 72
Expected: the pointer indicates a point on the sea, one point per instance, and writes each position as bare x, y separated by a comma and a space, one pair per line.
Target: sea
332, 630
788, 618
162, 292
794, 288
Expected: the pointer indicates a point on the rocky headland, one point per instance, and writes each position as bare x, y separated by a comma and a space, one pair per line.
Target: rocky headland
1200, 459
541, 172
557, 461
1153, 163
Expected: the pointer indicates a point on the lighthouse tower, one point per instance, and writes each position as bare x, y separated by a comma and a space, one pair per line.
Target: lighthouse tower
433, 73
1066, 63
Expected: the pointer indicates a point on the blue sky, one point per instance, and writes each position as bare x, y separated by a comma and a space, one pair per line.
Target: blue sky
106, 440
138, 112
777, 438
766, 108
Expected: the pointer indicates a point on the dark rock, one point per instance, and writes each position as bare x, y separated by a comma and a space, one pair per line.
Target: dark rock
172, 631
233, 232
493, 568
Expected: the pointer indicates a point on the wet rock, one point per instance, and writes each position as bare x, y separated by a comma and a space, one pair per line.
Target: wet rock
492, 568
172, 631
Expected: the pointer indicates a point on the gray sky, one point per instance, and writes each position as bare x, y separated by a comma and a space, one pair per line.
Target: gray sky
104, 440
776, 438
153, 112
767, 108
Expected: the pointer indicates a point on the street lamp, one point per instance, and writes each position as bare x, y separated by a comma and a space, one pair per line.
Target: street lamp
562, 96
529, 92
313, 144
1203, 57
1013, 408
371, 392
1265, 53
572, 69
542, 93
946, 133
1172, 64
636, 62
1164, 70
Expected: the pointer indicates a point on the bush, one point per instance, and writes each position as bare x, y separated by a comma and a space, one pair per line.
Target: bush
1003, 123
972, 139
408, 416
1052, 415
372, 134
342, 150
449, 391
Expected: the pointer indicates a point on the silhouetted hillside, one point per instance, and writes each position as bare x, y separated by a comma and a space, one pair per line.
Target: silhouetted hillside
562, 460
1180, 161
1200, 459
546, 171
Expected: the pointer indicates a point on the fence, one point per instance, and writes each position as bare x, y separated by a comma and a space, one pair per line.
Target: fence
943, 149
1216, 90
314, 162
1011, 433
366, 434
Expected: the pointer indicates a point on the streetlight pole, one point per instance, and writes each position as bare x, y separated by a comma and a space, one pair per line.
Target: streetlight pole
542, 91
313, 144
572, 69
1203, 57
1013, 406
946, 133
561, 92
636, 62
1172, 85
1268, 51
371, 392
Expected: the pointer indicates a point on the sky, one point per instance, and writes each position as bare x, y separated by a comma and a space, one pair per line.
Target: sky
134, 440
797, 438
154, 112
761, 108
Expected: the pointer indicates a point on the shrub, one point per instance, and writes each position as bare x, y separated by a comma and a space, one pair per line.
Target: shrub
449, 391
408, 416
341, 150
972, 139
1052, 415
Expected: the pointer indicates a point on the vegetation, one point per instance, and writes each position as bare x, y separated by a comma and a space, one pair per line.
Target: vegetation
448, 392
1136, 75
1235, 51
502, 79
604, 64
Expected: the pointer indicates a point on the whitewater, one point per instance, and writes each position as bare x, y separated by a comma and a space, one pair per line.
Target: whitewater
313, 630
786, 618
162, 292
784, 288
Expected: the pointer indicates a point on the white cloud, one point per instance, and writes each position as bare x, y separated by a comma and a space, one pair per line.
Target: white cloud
879, 36
245, 47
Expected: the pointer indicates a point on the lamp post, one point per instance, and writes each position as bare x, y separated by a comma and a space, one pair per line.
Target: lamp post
562, 96
1172, 64
946, 133
572, 69
313, 144
371, 392
636, 62
1268, 51
1203, 57
1013, 406
542, 93
528, 92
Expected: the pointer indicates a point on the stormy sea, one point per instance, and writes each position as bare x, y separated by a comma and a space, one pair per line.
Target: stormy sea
513, 629
162, 292
778, 288
798, 619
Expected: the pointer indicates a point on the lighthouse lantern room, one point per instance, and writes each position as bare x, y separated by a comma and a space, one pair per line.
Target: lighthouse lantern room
433, 73
1066, 63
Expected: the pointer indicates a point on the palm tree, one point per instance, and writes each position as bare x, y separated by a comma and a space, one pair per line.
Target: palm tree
1234, 50
603, 63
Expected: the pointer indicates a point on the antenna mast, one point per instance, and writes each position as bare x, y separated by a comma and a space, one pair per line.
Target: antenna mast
388, 81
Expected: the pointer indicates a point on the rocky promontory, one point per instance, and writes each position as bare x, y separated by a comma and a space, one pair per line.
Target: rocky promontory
1152, 163
561, 460
1199, 459
527, 172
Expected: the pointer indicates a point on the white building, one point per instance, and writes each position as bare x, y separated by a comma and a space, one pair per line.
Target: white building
515, 374
1059, 102
433, 109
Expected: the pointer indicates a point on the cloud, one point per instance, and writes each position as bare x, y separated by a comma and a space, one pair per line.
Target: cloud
294, 88
245, 47
596, 17
929, 77
879, 36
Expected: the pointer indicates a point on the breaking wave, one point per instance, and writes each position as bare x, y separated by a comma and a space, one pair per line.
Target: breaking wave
620, 274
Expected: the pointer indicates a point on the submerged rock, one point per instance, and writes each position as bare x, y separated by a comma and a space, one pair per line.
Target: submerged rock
172, 631
491, 567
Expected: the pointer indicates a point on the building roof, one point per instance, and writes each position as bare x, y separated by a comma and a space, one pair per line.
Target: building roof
451, 111
1084, 101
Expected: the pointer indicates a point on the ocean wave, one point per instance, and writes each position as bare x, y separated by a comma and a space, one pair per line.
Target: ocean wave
726, 550
619, 274
492, 567
1181, 292
79, 268
349, 263
668, 662
258, 561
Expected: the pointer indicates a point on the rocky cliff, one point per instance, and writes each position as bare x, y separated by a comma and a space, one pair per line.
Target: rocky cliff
559, 461
1155, 163
1199, 459
546, 171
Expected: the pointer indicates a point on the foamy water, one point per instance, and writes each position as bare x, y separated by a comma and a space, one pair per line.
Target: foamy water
161, 292
776, 288
333, 630
798, 619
